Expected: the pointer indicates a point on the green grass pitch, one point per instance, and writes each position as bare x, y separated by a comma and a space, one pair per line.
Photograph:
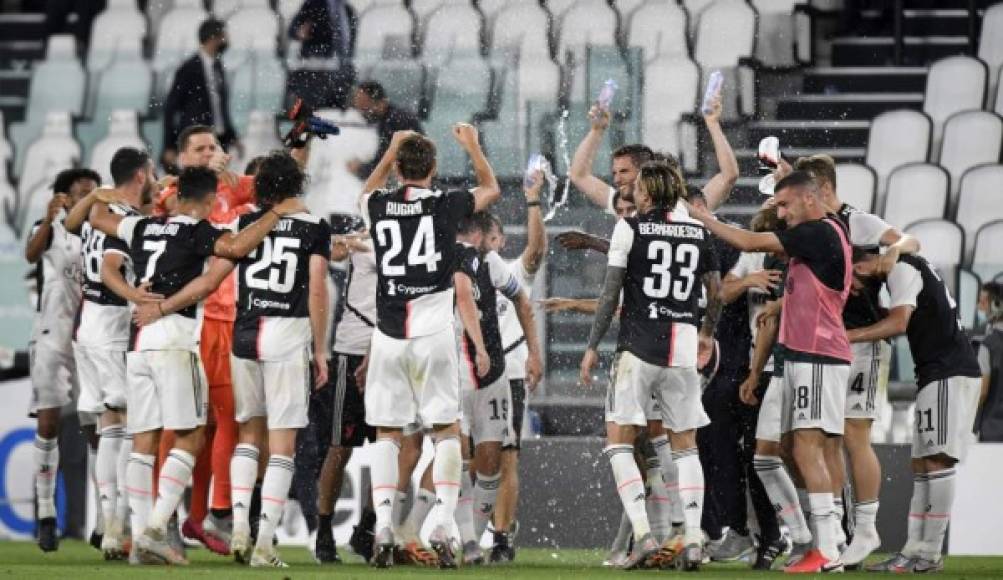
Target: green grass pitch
78, 561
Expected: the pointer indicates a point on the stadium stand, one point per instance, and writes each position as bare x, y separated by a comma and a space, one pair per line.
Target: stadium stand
916, 192
855, 184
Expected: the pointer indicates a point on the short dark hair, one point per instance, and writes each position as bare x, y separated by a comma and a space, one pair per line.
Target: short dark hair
821, 166
662, 184
194, 183
126, 162
694, 193
766, 220
67, 177
480, 221
279, 177
373, 90
797, 179
639, 154
253, 165
416, 157
190, 130
211, 28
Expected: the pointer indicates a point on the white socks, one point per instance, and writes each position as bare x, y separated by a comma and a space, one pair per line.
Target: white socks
420, 506
865, 536
622, 539
139, 477
783, 495
629, 486
122, 505
46, 467
691, 487
657, 504
485, 495
941, 495
274, 492
243, 474
822, 513
106, 468
446, 478
465, 506
98, 513
838, 511
399, 504
175, 475
384, 481
670, 474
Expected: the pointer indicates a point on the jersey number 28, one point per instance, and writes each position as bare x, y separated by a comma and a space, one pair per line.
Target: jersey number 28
421, 253
662, 259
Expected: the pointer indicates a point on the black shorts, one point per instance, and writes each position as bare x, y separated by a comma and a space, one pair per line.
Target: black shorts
518, 411
348, 410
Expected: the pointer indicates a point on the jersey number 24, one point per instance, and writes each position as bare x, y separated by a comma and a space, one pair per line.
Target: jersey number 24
421, 253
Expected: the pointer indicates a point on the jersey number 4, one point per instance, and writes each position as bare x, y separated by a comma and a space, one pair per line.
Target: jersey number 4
662, 259
274, 266
421, 253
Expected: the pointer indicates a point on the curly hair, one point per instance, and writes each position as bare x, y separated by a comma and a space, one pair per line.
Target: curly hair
279, 177
664, 185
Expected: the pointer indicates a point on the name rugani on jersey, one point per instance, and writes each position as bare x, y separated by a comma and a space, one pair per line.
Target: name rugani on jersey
273, 287
414, 236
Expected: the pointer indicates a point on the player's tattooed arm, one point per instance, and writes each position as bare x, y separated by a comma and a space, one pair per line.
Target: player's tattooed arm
235, 246
609, 301
720, 185
580, 171
470, 318
317, 305
534, 364
536, 233
193, 292
487, 191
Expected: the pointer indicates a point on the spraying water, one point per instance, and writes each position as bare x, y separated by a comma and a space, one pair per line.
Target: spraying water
562, 148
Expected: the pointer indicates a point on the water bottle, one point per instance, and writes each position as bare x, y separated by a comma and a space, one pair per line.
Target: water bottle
714, 83
536, 163
606, 94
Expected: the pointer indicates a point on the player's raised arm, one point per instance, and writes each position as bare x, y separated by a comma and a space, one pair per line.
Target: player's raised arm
597, 190
103, 219
742, 239
536, 234
82, 209
236, 246
559, 304
42, 235
193, 292
381, 173
317, 306
469, 316
719, 186
487, 191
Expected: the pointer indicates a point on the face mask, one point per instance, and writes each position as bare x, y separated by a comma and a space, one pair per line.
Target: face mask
222, 47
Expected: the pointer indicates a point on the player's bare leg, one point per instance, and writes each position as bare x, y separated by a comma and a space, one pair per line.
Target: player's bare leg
866, 470
274, 493
46, 467
809, 454
244, 470
630, 486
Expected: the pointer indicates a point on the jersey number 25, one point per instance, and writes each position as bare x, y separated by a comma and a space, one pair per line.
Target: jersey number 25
274, 267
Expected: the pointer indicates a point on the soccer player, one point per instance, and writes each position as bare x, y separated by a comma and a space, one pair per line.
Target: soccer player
348, 363
102, 335
869, 233
524, 269
949, 381
413, 366
657, 259
816, 351
56, 253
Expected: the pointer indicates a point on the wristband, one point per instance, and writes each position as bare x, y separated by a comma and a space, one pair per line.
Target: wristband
533, 203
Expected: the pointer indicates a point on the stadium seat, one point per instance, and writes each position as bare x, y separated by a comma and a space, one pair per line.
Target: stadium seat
223, 9
659, 28
460, 92
998, 107
52, 152
967, 297
129, 50
736, 21
896, 138
385, 31
177, 39
260, 137
695, 9
587, 23
491, 8
855, 184
122, 132
258, 85
329, 159
671, 88
775, 36
57, 84
403, 79
970, 138
452, 29
8, 196
126, 85
626, 8
979, 202
253, 29
987, 261
558, 8
522, 28
916, 192
955, 83
120, 28
991, 44
942, 242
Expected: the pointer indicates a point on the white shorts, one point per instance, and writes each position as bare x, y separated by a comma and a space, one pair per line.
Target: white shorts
676, 390
53, 372
167, 390
868, 372
277, 390
101, 374
945, 417
770, 422
487, 413
413, 379
814, 396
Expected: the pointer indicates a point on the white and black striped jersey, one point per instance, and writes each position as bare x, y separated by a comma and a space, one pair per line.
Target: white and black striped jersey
58, 276
103, 320
414, 232
168, 253
489, 276
359, 318
940, 348
666, 255
273, 287
865, 231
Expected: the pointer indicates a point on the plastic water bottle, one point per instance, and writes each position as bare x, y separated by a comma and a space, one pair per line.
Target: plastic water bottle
606, 94
537, 162
714, 83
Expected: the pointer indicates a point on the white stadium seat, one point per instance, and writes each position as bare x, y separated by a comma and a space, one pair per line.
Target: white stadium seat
453, 29
384, 30
987, 260
896, 138
587, 23
626, 8
54, 151
522, 28
253, 29
775, 36
855, 185
942, 242
991, 44
122, 132
177, 39
258, 85
116, 30
696, 8
558, 8
260, 137
998, 107
491, 8
659, 28
955, 83
735, 21
916, 192
671, 86
980, 202
970, 138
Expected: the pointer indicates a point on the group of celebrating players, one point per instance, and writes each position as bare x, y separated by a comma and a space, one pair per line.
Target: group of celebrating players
201, 327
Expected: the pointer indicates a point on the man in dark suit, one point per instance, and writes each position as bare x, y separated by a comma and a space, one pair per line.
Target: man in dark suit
325, 29
199, 95
371, 100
